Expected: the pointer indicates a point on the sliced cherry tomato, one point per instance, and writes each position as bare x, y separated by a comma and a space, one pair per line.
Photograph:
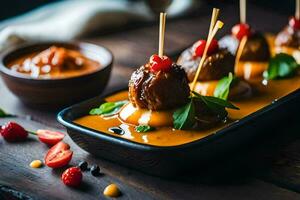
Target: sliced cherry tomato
59, 155
50, 137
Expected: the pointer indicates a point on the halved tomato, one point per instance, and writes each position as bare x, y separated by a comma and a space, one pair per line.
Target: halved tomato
59, 155
50, 137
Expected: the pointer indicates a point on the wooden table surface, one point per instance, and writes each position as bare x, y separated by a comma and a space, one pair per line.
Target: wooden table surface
270, 169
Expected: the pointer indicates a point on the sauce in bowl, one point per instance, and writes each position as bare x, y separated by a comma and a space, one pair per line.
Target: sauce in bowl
54, 63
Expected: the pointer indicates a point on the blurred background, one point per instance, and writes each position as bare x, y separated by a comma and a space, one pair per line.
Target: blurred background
11, 8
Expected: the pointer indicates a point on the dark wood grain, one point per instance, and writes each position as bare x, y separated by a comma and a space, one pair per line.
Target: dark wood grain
269, 170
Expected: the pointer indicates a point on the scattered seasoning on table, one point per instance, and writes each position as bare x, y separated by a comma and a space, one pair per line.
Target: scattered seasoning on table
95, 170
36, 164
83, 165
112, 190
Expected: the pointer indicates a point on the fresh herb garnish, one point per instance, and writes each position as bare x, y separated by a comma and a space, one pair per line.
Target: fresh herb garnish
144, 128
108, 108
3, 114
281, 66
223, 86
185, 117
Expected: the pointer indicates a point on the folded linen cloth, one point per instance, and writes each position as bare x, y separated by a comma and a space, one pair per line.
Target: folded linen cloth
71, 19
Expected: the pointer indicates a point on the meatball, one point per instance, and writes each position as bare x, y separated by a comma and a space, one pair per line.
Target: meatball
205, 117
256, 48
288, 37
160, 90
215, 66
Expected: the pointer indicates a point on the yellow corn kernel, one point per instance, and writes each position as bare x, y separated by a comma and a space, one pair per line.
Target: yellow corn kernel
36, 164
112, 190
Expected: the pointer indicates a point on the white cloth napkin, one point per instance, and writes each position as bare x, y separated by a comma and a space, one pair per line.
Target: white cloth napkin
71, 19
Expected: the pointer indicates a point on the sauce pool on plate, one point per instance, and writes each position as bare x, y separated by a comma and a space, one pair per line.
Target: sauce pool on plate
167, 136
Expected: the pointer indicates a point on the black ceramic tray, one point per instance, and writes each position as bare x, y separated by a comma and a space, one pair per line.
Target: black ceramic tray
169, 161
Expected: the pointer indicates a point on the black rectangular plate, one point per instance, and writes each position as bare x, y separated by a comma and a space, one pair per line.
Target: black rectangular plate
169, 161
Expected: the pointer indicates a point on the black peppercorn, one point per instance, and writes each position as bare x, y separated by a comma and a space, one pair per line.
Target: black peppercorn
95, 170
83, 165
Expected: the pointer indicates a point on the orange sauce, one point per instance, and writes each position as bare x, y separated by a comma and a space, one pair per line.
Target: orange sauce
167, 136
54, 63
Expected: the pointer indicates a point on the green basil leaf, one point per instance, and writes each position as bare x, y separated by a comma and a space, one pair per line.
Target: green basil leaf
215, 102
184, 117
144, 128
281, 66
3, 114
223, 87
108, 108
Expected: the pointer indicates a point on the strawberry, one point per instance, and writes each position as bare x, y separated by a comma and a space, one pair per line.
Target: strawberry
72, 177
13, 132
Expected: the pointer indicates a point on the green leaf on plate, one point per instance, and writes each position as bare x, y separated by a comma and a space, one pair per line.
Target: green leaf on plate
281, 66
184, 117
3, 114
108, 108
144, 128
223, 87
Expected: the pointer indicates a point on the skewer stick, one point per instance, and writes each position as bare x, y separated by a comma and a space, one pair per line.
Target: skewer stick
297, 12
218, 26
214, 18
239, 53
162, 27
243, 11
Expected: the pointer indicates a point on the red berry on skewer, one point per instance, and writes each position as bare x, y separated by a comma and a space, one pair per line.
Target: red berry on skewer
241, 30
72, 177
294, 23
199, 47
160, 64
13, 132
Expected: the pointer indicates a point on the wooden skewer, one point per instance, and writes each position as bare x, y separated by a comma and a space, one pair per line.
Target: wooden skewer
218, 25
239, 53
243, 11
297, 12
162, 27
214, 18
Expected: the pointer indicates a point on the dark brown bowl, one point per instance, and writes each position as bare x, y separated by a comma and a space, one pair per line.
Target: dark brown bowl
56, 93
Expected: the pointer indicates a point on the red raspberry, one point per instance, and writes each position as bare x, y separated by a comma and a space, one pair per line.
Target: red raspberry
72, 177
13, 132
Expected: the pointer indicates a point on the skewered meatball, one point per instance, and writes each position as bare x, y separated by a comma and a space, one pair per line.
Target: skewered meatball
159, 90
215, 66
256, 48
288, 37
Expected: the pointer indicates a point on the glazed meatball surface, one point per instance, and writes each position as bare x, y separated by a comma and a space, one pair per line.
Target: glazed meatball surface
256, 48
215, 66
159, 90
289, 37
